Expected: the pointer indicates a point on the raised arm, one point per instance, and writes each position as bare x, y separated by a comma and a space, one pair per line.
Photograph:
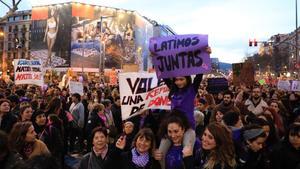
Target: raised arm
197, 81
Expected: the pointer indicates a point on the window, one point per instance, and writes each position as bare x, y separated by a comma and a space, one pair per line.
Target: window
10, 19
9, 37
9, 28
25, 17
16, 18
9, 46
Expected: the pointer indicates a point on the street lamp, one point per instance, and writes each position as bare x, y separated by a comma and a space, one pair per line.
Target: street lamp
4, 64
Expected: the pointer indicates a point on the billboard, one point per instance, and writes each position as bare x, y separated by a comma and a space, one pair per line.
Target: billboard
50, 36
102, 37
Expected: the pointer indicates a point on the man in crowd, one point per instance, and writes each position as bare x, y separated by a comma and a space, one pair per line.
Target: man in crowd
255, 104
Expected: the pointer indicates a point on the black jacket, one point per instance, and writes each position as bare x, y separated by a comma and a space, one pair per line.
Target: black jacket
7, 123
93, 122
284, 155
111, 161
116, 112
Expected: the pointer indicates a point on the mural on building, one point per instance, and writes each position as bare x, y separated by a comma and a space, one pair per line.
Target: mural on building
50, 36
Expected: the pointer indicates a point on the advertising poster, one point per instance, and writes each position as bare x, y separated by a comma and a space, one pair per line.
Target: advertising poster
101, 37
50, 35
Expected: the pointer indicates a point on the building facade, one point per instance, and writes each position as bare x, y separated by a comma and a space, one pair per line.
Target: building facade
15, 39
80, 36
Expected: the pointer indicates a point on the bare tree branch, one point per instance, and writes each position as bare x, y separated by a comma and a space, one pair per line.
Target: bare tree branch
12, 9
5, 4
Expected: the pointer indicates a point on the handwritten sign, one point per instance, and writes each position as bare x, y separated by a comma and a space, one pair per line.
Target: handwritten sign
296, 86
142, 91
284, 85
180, 55
76, 87
28, 72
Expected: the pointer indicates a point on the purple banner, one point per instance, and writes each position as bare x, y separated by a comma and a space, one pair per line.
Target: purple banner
180, 55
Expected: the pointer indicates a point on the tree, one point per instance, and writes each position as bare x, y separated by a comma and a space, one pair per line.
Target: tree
13, 7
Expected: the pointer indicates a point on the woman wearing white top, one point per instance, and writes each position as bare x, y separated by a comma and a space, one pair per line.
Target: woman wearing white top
51, 32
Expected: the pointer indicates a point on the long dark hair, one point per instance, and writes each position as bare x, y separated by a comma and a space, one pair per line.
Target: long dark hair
224, 152
18, 135
174, 89
177, 117
53, 106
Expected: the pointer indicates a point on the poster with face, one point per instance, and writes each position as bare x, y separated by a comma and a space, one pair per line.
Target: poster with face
101, 37
50, 36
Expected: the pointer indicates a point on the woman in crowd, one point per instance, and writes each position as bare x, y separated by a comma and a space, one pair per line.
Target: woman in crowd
287, 153
102, 155
217, 118
139, 157
52, 136
7, 158
277, 116
39, 121
176, 157
218, 149
22, 140
25, 112
128, 131
250, 155
96, 119
7, 119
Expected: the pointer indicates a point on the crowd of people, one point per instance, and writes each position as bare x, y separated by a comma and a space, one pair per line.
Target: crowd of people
245, 127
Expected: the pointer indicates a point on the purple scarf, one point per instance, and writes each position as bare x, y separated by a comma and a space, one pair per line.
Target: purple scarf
141, 160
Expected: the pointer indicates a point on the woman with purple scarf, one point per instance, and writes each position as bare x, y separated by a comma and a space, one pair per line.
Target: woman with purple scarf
140, 155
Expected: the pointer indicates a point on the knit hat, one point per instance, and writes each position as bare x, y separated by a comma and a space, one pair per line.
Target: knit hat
252, 133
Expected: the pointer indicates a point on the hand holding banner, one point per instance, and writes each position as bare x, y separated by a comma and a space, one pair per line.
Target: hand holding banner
180, 55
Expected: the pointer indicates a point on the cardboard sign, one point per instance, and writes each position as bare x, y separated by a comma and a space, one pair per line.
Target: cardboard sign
28, 72
243, 74
296, 86
284, 85
180, 55
76, 87
142, 91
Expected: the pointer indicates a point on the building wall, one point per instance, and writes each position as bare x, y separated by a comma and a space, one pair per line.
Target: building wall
16, 41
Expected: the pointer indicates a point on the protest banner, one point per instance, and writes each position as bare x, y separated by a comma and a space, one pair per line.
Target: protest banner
142, 91
76, 87
296, 86
180, 55
284, 85
217, 85
28, 72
